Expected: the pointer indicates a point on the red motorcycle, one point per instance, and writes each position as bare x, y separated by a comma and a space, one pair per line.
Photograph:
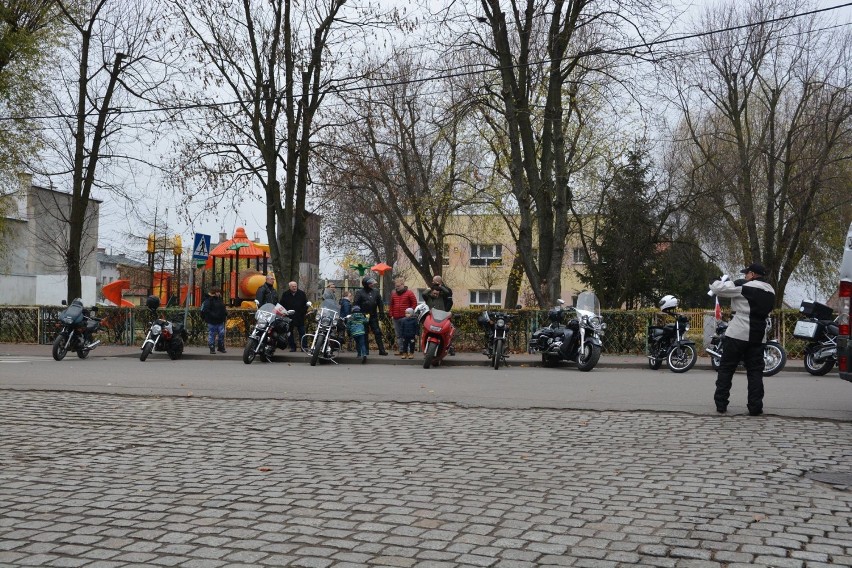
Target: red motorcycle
437, 334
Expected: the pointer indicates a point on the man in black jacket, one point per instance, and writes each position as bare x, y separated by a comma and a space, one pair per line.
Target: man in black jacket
267, 294
294, 299
372, 305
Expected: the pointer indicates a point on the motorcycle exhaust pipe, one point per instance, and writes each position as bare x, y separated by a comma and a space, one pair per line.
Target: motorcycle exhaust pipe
825, 354
713, 352
93, 345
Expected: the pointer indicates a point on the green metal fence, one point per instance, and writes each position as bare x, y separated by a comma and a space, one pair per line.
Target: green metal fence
626, 330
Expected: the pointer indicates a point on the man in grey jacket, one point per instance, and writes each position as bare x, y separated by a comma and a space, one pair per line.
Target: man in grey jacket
752, 301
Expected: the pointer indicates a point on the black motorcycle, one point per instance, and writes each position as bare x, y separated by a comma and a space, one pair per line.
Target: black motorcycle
325, 342
271, 331
577, 340
76, 332
820, 330
163, 335
774, 355
496, 326
668, 343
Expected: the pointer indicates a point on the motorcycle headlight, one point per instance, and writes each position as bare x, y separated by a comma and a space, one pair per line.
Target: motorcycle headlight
435, 327
686, 327
69, 320
325, 321
261, 325
501, 323
262, 316
156, 329
603, 325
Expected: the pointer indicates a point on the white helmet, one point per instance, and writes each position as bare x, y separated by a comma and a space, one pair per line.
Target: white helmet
420, 311
667, 302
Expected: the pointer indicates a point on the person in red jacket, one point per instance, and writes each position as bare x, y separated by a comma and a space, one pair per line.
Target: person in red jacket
401, 299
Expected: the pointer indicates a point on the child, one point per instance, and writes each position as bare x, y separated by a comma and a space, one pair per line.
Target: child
358, 329
408, 331
213, 312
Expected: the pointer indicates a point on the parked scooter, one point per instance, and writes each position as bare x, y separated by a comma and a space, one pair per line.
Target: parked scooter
271, 331
163, 335
437, 334
820, 330
497, 326
579, 340
668, 343
76, 332
774, 356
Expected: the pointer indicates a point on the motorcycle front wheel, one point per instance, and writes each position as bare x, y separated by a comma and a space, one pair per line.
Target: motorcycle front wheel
146, 350
59, 349
588, 357
774, 359
817, 369
497, 353
249, 351
681, 358
429, 355
315, 354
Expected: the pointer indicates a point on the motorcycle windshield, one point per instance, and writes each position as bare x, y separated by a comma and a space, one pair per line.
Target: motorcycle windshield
74, 312
588, 304
439, 315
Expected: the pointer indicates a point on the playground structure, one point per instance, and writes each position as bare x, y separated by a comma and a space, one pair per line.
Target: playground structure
238, 266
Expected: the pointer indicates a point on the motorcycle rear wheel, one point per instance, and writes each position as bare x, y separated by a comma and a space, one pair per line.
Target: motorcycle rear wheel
817, 369
681, 358
774, 359
429, 355
59, 349
82, 353
655, 363
593, 355
715, 362
547, 361
146, 350
249, 351
497, 353
175, 350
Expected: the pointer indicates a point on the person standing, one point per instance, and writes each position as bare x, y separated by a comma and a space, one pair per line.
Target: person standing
402, 299
267, 294
752, 301
408, 333
372, 306
439, 296
357, 330
294, 299
215, 314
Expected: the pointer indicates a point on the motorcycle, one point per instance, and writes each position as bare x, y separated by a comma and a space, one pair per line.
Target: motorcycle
76, 332
668, 342
579, 340
774, 356
324, 343
820, 330
437, 335
271, 331
162, 335
496, 326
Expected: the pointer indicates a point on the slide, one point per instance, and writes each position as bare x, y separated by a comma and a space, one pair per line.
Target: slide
112, 292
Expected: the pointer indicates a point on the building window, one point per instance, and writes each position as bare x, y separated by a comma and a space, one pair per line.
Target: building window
486, 255
580, 256
486, 297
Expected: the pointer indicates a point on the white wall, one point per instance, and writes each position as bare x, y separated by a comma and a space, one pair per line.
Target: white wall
43, 290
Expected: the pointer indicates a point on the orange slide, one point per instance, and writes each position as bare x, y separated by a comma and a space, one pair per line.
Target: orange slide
112, 292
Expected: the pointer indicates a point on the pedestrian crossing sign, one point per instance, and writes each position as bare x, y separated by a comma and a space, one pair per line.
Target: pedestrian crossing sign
201, 247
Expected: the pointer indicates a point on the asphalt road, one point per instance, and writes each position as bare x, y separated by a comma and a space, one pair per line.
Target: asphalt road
792, 393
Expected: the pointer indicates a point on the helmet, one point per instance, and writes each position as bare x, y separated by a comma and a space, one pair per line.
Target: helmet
668, 302
420, 311
356, 309
153, 302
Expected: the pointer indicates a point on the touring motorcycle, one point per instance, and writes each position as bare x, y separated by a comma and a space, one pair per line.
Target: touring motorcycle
76, 332
820, 330
271, 331
578, 340
324, 343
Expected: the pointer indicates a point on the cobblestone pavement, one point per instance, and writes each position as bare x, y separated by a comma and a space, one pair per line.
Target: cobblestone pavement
105, 480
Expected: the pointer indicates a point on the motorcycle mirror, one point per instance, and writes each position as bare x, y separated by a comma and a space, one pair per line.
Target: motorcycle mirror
560, 301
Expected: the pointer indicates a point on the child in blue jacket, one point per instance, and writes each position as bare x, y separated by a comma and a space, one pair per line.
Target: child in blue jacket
358, 329
408, 332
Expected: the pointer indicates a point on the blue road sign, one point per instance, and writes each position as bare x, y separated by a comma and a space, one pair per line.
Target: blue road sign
201, 247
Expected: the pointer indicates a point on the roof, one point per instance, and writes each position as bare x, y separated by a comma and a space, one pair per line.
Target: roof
248, 250
117, 259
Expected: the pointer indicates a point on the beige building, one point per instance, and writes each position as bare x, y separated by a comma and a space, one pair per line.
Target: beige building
478, 255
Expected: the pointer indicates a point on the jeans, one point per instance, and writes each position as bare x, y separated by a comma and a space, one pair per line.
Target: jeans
214, 329
361, 345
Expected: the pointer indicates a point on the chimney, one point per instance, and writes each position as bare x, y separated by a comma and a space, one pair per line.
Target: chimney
223, 236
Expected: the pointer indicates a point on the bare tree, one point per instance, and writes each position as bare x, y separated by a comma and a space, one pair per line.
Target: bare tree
275, 63
766, 115
403, 162
114, 45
